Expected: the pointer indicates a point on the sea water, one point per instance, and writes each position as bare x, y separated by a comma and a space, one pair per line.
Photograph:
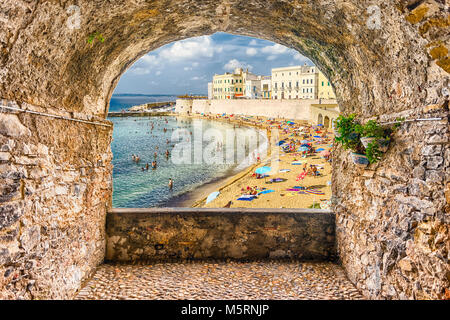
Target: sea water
121, 102
134, 188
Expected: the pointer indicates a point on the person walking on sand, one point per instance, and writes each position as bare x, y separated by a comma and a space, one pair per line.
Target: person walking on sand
170, 184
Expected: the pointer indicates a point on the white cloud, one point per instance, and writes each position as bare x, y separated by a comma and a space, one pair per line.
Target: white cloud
298, 56
198, 78
149, 59
272, 57
140, 70
158, 73
187, 68
233, 64
251, 51
201, 47
275, 49
253, 43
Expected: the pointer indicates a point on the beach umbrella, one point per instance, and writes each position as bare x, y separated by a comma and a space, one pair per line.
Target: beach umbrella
263, 170
303, 149
320, 125
212, 196
305, 145
320, 149
317, 137
281, 142
304, 142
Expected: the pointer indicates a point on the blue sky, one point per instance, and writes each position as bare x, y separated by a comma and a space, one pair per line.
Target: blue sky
188, 65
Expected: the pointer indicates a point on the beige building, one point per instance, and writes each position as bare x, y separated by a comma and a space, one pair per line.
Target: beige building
300, 82
228, 85
324, 88
266, 87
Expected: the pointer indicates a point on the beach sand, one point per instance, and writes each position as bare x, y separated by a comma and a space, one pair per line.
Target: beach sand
231, 189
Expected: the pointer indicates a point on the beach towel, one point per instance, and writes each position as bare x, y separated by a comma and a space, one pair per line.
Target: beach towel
298, 163
246, 197
293, 189
266, 191
301, 176
285, 170
315, 192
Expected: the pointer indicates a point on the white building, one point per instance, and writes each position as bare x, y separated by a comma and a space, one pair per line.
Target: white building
210, 90
297, 82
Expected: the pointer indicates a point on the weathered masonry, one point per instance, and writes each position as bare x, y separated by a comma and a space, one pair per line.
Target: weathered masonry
192, 233
385, 58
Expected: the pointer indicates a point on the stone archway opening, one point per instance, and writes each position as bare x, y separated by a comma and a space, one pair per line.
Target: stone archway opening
326, 122
320, 119
385, 60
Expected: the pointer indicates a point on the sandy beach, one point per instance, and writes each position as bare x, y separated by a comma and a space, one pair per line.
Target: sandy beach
288, 191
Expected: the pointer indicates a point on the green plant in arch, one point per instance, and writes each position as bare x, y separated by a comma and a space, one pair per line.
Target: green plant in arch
348, 133
373, 152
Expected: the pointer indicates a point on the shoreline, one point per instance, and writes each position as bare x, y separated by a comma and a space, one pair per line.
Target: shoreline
282, 197
197, 197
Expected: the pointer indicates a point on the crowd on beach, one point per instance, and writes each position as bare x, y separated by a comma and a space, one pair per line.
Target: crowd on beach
303, 175
305, 159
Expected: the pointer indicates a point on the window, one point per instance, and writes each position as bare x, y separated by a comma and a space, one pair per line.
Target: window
303, 81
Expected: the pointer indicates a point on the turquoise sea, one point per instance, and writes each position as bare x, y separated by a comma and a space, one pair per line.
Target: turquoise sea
121, 102
134, 188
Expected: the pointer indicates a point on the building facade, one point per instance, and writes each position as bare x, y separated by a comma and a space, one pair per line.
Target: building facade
210, 90
266, 87
300, 82
324, 88
228, 85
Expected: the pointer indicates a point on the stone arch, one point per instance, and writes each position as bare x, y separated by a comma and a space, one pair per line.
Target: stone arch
320, 119
53, 61
326, 122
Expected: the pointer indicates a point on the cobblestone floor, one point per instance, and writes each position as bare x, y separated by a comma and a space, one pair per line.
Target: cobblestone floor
220, 280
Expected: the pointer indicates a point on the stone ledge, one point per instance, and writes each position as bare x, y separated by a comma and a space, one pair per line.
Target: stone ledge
165, 234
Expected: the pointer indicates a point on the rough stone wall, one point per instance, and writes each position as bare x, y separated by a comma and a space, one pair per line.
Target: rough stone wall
55, 185
167, 234
382, 56
393, 221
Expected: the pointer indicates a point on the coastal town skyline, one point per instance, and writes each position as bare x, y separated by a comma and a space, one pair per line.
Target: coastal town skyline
186, 66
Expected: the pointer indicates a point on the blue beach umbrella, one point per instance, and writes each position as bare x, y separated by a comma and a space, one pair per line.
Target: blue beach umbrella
320, 125
303, 149
317, 137
263, 170
320, 149
281, 142
304, 141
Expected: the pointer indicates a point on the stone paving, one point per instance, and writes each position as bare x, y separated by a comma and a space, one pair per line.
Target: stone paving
274, 280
